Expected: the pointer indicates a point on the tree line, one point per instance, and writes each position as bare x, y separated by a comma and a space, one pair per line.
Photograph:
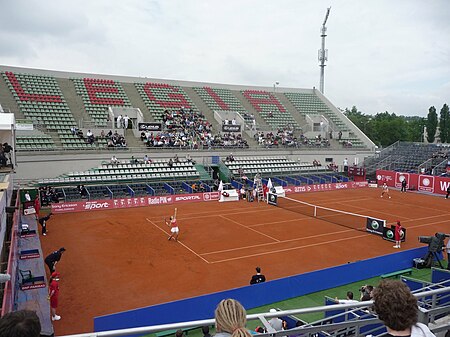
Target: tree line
386, 128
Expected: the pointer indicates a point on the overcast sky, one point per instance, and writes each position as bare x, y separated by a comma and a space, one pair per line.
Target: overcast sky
384, 55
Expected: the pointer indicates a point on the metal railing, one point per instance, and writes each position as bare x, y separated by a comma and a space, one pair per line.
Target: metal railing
333, 329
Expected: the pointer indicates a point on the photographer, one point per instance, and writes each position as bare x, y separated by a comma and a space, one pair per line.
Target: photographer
366, 293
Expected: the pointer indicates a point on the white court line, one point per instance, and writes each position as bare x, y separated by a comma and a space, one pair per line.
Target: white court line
278, 222
275, 243
214, 214
372, 210
223, 217
181, 243
288, 249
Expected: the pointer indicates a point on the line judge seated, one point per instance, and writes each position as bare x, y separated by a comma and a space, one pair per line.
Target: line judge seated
258, 277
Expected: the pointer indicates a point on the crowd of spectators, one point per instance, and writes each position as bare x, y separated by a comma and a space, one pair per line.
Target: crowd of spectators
283, 137
234, 140
48, 195
113, 139
347, 143
189, 129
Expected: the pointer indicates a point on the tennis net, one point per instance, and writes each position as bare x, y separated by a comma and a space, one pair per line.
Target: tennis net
338, 217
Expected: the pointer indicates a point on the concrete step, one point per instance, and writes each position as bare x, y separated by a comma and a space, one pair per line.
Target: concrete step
203, 107
136, 101
74, 101
299, 118
247, 106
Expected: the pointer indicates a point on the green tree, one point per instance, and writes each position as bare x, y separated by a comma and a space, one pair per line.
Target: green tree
414, 129
444, 124
432, 122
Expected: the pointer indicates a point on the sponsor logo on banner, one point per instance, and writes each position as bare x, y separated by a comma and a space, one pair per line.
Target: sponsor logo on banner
399, 177
385, 178
272, 199
191, 197
231, 128
389, 234
341, 186
426, 183
150, 126
210, 196
375, 226
444, 185
96, 205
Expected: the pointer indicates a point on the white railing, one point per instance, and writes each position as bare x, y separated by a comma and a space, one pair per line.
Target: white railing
308, 328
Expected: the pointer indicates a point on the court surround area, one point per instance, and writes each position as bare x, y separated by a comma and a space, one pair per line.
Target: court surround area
119, 260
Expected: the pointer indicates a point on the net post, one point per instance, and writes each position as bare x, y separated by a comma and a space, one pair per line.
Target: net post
315, 211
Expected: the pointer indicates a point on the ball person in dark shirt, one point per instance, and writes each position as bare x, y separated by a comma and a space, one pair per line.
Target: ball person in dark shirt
258, 277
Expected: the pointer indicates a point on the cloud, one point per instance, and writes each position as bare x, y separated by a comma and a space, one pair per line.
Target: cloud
383, 55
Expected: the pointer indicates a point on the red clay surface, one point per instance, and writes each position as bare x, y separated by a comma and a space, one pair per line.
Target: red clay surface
118, 260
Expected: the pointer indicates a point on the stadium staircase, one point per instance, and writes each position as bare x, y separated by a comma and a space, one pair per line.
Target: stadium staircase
73, 100
260, 122
204, 175
7, 101
300, 119
201, 106
136, 101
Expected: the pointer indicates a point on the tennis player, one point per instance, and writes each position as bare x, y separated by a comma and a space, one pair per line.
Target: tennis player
174, 230
385, 190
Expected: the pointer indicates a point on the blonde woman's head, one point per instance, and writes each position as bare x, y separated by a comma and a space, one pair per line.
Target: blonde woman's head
231, 318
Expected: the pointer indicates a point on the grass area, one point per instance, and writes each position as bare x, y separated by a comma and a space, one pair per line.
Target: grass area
314, 300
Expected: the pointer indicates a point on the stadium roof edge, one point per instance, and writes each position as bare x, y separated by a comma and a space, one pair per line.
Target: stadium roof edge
135, 79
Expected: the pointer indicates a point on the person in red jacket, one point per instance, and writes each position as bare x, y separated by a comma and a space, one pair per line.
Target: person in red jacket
53, 294
37, 206
398, 234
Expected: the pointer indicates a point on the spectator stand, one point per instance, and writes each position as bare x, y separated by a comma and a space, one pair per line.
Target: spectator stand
404, 157
268, 166
127, 172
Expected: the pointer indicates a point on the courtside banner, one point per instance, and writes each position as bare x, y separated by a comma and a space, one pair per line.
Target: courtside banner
97, 205
389, 234
325, 187
375, 226
272, 199
420, 182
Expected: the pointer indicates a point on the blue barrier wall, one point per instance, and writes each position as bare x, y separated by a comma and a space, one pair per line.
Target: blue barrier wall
202, 307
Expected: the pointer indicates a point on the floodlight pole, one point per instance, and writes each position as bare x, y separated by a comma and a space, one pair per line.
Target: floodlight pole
323, 53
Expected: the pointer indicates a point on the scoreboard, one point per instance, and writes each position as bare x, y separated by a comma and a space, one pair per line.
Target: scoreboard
356, 171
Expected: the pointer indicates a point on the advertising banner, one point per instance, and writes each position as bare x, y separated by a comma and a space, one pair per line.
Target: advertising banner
150, 126
325, 187
231, 128
375, 226
389, 234
420, 182
95, 205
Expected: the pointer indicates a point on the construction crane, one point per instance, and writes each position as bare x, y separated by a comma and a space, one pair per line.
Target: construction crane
323, 53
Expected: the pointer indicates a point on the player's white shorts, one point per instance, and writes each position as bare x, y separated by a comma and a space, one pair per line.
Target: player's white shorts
174, 230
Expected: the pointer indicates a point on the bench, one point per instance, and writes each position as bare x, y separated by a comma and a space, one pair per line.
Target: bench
397, 273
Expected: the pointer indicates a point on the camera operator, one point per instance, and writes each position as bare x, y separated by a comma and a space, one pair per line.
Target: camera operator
366, 293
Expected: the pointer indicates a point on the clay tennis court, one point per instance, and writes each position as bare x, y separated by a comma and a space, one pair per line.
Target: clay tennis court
118, 260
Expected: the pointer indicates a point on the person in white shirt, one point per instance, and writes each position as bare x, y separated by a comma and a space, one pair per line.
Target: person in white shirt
349, 299
119, 121
275, 322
